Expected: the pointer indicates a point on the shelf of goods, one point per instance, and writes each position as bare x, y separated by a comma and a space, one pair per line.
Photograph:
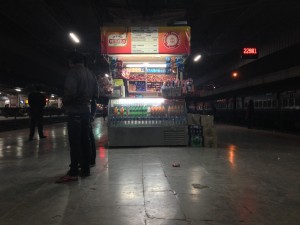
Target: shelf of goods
147, 122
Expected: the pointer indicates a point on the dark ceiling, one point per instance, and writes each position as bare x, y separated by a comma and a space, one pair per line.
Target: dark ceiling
35, 36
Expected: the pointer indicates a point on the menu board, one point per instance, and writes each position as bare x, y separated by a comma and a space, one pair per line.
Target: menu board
154, 86
144, 39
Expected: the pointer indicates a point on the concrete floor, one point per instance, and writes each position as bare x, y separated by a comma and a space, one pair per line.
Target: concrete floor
252, 178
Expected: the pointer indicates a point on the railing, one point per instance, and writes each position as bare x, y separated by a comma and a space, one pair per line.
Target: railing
18, 118
23, 112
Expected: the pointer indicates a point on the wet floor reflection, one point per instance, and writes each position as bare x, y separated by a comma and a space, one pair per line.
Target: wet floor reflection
231, 154
241, 183
102, 152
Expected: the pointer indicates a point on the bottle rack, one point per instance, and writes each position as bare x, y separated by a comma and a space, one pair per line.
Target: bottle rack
172, 113
147, 122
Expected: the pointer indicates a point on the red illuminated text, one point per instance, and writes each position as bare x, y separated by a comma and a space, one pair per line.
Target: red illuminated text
249, 51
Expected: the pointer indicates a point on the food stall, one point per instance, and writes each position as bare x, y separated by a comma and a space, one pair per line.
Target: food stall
147, 65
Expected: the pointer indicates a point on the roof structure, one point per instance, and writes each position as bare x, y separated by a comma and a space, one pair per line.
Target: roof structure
35, 37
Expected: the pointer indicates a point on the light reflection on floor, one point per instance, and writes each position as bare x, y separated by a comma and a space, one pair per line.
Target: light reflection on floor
251, 178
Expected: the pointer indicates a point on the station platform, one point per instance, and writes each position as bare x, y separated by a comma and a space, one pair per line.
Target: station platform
251, 178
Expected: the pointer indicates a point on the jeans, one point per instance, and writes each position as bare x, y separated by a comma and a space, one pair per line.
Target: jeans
79, 140
36, 118
93, 145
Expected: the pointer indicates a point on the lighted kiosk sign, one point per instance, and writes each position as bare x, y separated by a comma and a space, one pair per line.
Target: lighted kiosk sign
145, 40
249, 53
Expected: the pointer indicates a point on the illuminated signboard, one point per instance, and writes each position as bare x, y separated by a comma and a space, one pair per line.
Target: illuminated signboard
249, 53
145, 40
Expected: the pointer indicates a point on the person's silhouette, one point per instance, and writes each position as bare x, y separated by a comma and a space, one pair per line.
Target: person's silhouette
37, 102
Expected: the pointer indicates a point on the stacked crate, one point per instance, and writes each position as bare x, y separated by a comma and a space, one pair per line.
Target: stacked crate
195, 130
202, 132
209, 131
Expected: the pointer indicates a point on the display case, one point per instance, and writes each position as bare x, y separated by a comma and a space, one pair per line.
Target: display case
147, 122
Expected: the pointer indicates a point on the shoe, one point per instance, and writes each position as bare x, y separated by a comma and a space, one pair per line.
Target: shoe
66, 178
92, 164
43, 137
85, 173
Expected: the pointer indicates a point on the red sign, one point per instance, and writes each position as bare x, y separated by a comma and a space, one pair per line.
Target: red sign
115, 40
249, 53
145, 40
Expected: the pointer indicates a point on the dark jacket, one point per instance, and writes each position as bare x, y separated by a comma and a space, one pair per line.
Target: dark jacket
80, 87
36, 100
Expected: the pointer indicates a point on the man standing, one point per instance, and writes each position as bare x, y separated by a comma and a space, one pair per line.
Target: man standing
37, 102
79, 89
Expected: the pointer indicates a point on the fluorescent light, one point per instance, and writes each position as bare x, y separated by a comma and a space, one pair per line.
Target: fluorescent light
145, 101
146, 65
52, 95
183, 22
157, 65
18, 89
197, 58
106, 75
74, 37
135, 65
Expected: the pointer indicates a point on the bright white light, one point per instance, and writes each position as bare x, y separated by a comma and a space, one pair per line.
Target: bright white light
52, 95
134, 65
148, 65
157, 65
74, 37
197, 58
18, 89
106, 75
183, 22
145, 101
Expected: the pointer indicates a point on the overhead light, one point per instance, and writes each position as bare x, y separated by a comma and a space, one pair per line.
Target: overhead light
234, 74
18, 89
155, 101
197, 58
106, 75
52, 95
157, 65
74, 37
183, 22
146, 65
135, 65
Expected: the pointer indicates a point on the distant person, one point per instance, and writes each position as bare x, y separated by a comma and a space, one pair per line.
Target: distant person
37, 102
250, 112
79, 89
